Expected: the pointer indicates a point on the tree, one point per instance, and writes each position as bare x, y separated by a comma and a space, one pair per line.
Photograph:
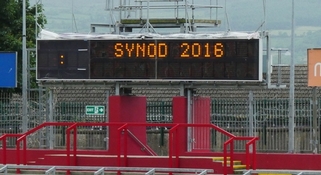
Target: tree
11, 28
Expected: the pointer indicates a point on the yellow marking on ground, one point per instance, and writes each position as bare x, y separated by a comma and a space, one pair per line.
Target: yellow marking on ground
239, 166
220, 158
235, 162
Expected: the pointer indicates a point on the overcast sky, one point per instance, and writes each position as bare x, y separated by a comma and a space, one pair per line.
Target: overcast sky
77, 15
81, 13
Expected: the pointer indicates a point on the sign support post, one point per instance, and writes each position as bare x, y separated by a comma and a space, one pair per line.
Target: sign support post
315, 120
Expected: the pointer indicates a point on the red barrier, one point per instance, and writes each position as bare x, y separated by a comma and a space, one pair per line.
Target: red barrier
228, 142
4, 145
72, 127
122, 130
171, 144
248, 162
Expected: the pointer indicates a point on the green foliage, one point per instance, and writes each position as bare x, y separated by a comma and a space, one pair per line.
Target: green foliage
11, 28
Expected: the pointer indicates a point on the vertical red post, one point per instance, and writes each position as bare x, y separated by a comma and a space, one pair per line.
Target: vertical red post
18, 156
68, 152
225, 159
125, 146
254, 155
4, 149
120, 131
247, 152
25, 151
119, 148
171, 144
232, 155
177, 148
75, 146
170, 148
68, 147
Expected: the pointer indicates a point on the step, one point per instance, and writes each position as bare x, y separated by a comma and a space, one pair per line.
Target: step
217, 159
237, 164
237, 167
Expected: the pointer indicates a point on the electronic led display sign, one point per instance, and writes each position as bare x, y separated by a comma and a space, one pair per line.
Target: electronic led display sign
151, 59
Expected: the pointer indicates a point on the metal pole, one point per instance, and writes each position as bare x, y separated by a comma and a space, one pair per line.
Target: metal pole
147, 22
251, 115
51, 111
181, 89
315, 120
186, 27
291, 95
117, 88
269, 61
24, 71
107, 118
189, 120
72, 15
279, 68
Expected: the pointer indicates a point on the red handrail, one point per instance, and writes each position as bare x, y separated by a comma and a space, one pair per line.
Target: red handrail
229, 141
125, 145
4, 145
247, 151
72, 127
173, 148
176, 143
148, 149
24, 135
171, 144
120, 130
251, 142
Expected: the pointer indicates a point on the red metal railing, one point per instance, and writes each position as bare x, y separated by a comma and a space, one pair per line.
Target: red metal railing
231, 143
122, 129
252, 141
24, 136
4, 145
248, 152
68, 132
148, 149
172, 143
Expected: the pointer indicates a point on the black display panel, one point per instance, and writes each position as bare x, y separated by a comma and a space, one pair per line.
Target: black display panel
150, 59
62, 59
175, 59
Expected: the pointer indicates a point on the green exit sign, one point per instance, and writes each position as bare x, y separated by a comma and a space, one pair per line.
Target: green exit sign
95, 110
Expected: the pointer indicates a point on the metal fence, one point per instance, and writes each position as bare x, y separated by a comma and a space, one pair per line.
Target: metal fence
270, 122
270, 118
